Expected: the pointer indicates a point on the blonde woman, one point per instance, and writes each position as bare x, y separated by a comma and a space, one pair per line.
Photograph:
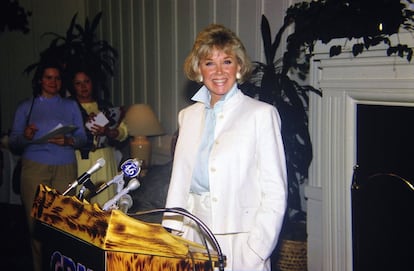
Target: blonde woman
229, 165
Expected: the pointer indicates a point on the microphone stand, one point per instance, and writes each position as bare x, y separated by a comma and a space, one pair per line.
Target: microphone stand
81, 193
201, 224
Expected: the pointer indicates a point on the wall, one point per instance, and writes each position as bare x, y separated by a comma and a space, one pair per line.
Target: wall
154, 37
19, 50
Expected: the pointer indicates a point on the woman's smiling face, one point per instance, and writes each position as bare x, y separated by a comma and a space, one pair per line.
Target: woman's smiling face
51, 82
83, 86
219, 73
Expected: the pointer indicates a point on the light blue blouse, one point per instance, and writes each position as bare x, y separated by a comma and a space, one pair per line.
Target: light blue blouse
200, 179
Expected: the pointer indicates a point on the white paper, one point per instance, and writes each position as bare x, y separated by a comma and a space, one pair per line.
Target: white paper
58, 130
100, 120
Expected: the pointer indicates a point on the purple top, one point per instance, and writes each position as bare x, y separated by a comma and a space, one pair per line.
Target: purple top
46, 114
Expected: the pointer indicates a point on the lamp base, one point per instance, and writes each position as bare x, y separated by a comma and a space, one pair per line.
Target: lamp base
140, 149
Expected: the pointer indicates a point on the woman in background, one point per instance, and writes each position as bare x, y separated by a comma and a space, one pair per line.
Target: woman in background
51, 162
229, 166
100, 137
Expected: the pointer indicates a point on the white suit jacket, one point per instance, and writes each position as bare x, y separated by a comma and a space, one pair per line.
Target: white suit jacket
247, 170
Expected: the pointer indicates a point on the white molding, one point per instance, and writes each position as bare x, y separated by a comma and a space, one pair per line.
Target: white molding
345, 82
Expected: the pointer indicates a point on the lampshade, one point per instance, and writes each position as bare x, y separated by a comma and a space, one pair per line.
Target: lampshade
141, 121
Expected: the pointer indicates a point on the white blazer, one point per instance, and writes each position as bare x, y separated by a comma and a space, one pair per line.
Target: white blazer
247, 170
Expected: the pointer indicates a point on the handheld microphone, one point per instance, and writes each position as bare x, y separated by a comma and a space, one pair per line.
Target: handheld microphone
132, 185
130, 168
125, 202
85, 177
104, 186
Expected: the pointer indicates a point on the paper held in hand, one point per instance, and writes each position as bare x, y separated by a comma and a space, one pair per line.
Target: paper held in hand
100, 119
58, 130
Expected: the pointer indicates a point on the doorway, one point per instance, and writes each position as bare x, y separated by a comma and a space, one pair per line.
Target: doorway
383, 189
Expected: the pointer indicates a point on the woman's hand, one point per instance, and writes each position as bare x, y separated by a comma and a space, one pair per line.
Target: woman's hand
98, 130
91, 117
30, 131
112, 133
62, 140
104, 131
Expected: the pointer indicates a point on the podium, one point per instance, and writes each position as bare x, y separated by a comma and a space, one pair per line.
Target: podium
80, 236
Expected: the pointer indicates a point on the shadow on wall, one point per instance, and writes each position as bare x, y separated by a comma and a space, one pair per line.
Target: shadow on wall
154, 188
152, 193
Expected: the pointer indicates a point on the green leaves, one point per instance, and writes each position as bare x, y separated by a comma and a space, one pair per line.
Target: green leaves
13, 17
370, 22
401, 51
271, 83
80, 47
335, 50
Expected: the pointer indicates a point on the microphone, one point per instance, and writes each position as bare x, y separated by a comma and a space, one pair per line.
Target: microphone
104, 186
130, 168
87, 184
132, 185
85, 177
125, 202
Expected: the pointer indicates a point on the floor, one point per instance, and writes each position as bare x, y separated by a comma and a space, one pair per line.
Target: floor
15, 255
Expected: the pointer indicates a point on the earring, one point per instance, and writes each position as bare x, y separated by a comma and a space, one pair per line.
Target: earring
238, 76
200, 78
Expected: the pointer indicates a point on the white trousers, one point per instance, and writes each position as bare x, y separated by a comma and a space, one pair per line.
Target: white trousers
239, 256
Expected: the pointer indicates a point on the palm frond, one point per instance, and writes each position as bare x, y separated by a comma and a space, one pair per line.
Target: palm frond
81, 48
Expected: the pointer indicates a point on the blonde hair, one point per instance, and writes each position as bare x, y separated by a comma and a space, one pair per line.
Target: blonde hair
216, 36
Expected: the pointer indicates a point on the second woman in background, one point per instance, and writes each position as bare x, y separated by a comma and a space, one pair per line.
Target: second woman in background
99, 136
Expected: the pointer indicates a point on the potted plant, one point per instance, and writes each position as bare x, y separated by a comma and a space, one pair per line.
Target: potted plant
80, 47
271, 82
369, 23
13, 17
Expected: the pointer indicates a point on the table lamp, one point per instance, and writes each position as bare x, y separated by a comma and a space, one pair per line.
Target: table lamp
141, 122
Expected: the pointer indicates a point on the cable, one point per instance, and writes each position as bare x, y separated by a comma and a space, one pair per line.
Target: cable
192, 259
202, 228
203, 238
182, 211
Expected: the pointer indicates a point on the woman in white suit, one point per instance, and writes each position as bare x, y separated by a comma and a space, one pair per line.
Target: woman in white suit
229, 165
